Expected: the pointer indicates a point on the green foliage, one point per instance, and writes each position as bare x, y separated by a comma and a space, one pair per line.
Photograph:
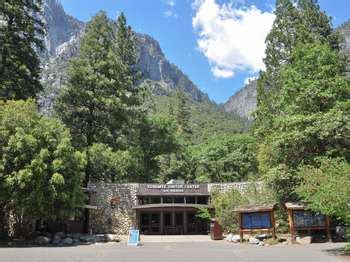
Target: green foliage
183, 116
298, 23
21, 33
326, 187
157, 137
224, 205
204, 213
206, 120
92, 103
40, 171
225, 158
111, 166
313, 118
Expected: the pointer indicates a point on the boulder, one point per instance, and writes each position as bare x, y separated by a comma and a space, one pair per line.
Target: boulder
236, 238
112, 238
56, 240
42, 240
88, 239
261, 244
304, 240
67, 241
262, 237
229, 237
76, 242
101, 238
60, 235
254, 241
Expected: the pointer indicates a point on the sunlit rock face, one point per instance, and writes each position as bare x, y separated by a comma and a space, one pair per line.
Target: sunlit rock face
244, 101
60, 27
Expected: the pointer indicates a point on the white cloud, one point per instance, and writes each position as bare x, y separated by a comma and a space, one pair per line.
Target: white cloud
170, 13
250, 79
221, 72
170, 2
170, 5
231, 37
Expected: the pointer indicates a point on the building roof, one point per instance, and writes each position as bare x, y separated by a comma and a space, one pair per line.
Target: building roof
172, 190
291, 205
255, 208
169, 206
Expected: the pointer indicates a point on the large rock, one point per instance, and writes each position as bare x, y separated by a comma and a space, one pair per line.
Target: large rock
112, 238
42, 240
304, 240
262, 237
67, 241
233, 238
254, 241
243, 102
88, 239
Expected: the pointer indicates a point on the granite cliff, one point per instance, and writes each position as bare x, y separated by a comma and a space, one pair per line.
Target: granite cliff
62, 43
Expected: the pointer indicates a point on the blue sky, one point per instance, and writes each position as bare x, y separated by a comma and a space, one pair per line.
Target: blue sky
217, 43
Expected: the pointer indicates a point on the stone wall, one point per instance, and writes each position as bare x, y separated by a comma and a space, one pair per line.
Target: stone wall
114, 203
224, 187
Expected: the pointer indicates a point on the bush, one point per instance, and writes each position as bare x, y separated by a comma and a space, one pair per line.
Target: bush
224, 205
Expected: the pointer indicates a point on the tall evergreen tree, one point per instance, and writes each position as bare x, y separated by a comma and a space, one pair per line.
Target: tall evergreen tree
183, 116
297, 22
126, 52
92, 104
21, 32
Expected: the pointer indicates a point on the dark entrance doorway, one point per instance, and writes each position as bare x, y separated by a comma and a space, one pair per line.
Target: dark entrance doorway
171, 222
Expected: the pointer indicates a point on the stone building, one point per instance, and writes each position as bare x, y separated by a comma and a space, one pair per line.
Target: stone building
152, 208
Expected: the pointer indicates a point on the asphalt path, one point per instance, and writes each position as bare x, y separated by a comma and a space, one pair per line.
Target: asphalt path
175, 252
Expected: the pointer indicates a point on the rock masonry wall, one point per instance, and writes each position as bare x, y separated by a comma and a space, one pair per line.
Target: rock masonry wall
114, 203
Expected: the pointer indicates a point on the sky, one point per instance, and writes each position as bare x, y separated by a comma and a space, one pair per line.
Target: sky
218, 44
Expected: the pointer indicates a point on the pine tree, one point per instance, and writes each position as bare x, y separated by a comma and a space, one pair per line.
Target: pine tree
21, 32
92, 103
183, 116
279, 45
299, 22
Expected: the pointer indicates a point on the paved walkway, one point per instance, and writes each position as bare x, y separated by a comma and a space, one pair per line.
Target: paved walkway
174, 252
171, 239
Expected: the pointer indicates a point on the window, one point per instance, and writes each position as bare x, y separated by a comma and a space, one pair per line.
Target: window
202, 200
168, 200
190, 200
155, 200
179, 200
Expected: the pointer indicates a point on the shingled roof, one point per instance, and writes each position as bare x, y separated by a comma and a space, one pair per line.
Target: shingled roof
255, 208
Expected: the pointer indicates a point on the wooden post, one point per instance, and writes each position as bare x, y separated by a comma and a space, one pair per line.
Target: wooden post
273, 224
240, 227
291, 224
328, 229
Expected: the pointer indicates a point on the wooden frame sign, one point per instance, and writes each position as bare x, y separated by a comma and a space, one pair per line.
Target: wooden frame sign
256, 218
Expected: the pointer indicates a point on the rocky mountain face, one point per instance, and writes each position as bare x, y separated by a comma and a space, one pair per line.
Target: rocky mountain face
62, 43
61, 28
244, 102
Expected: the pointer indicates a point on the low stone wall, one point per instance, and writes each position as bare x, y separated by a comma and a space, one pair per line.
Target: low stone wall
114, 203
224, 187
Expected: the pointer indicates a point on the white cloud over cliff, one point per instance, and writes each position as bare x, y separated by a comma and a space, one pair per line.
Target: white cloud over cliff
231, 37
